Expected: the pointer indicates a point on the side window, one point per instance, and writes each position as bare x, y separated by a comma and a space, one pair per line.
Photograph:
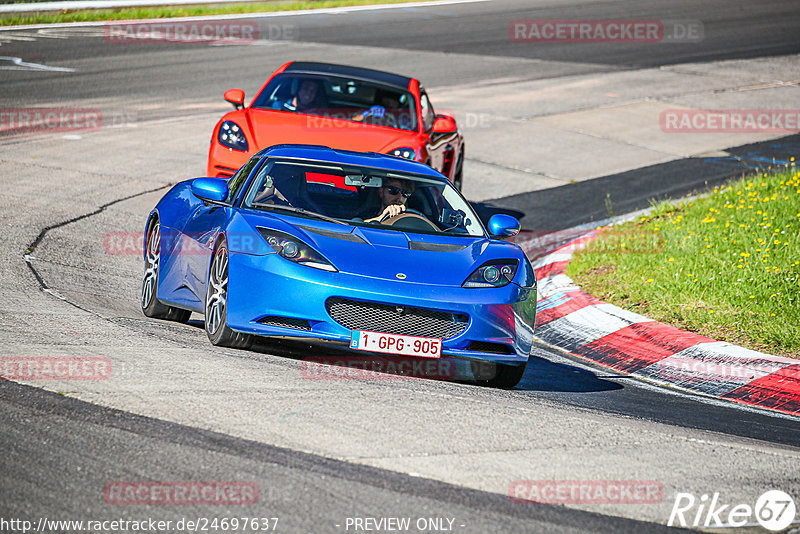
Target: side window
237, 180
428, 114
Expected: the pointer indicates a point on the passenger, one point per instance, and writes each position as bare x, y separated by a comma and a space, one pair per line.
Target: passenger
389, 110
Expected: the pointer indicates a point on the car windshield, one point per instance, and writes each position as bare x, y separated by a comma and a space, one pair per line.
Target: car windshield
340, 98
359, 196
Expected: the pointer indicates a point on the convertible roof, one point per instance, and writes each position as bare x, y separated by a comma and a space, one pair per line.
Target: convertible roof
348, 157
386, 78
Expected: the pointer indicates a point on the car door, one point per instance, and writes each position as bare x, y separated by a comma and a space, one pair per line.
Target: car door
196, 245
439, 144
201, 230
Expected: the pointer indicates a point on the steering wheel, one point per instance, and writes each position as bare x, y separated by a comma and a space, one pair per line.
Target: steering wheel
410, 220
407, 210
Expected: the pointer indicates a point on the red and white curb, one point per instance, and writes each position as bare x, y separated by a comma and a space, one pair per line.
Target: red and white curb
591, 329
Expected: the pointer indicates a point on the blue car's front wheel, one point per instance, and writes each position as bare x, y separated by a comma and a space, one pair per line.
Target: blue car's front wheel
216, 308
498, 375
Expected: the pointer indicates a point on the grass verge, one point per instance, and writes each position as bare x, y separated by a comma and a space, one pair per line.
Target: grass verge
725, 265
160, 12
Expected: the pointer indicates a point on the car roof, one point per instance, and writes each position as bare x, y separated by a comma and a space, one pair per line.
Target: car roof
372, 160
386, 78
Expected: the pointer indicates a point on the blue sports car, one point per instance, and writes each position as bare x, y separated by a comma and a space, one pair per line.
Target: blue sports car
372, 252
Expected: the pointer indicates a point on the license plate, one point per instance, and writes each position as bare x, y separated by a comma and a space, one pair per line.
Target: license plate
424, 347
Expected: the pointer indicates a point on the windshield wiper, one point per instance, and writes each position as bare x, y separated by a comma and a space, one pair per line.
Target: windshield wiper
297, 210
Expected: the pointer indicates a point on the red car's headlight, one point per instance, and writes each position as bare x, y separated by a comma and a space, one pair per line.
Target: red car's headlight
403, 152
232, 136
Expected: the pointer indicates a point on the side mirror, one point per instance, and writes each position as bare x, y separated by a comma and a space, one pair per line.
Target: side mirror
502, 225
212, 190
444, 124
235, 97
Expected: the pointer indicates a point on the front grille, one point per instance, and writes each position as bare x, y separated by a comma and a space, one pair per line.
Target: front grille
286, 322
392, 319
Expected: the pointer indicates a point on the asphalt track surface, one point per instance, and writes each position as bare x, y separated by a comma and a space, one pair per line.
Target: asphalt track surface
51, 441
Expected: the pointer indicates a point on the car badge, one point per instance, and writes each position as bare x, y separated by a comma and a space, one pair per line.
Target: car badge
401, 276
400, 310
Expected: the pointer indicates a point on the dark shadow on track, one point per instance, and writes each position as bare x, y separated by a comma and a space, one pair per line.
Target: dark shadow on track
569, 205
582, 386
541, 374
544, 375
485, 210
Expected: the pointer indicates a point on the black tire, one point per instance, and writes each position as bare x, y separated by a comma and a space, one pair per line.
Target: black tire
148, 297
498, 375
216, 305
458, 177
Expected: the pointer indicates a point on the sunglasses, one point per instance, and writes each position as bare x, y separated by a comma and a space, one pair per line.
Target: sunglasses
394, 190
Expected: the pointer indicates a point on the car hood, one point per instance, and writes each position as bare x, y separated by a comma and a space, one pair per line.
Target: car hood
268, 127
392, 255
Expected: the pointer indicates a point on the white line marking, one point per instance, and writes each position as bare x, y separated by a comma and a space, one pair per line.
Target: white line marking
271, 14
24, 65
17, 37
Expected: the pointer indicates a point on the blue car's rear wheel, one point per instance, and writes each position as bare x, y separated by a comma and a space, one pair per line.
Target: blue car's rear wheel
216, 308
498, 375
151, 307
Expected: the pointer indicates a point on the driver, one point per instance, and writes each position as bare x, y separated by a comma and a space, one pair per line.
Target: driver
393, 194
308, 96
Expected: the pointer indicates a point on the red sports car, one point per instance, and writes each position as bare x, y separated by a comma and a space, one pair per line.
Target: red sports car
340, 107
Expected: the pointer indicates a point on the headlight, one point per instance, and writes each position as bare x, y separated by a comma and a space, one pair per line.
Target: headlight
496, 273
232, 136
295, 250
404, 152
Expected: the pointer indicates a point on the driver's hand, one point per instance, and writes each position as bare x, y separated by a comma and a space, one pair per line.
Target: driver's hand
392, 210
375, 111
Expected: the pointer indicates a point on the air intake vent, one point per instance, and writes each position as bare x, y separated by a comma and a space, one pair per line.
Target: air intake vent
491, 348
286, 322
439, 247
395, 319
347, 236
